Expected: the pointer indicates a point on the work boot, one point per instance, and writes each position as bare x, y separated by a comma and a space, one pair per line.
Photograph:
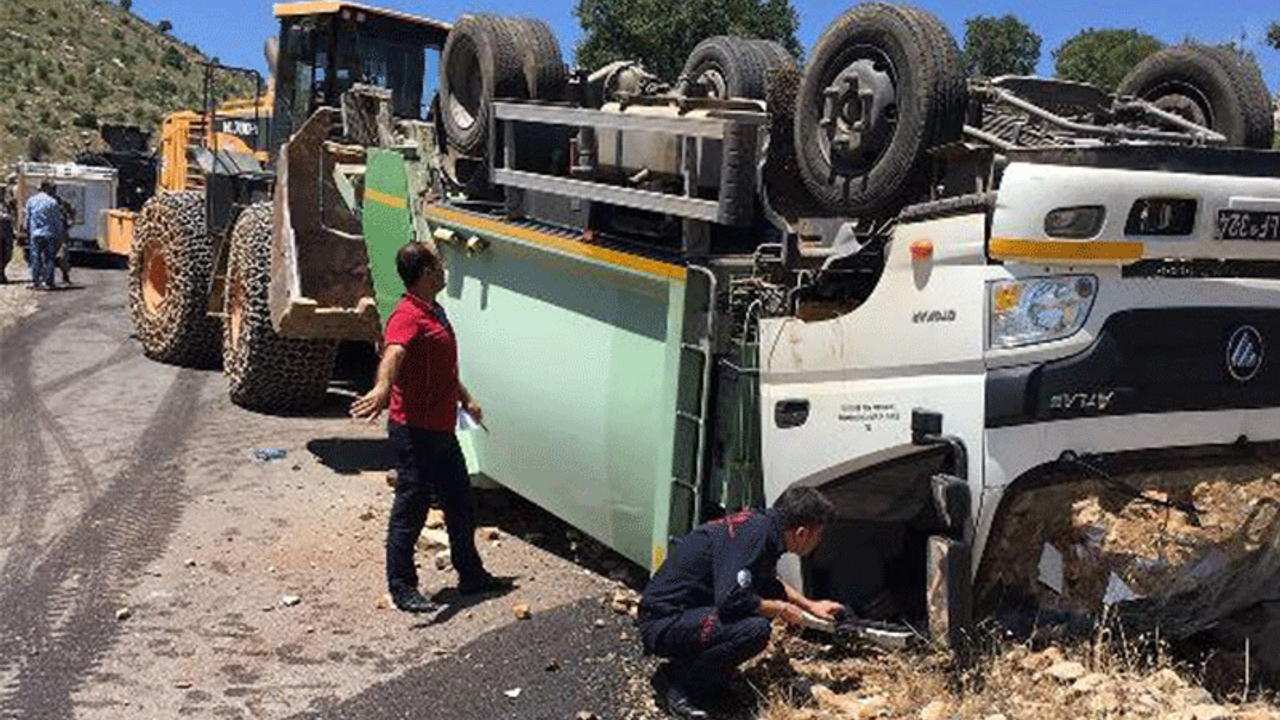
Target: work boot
674, 698
412, 601
485, 584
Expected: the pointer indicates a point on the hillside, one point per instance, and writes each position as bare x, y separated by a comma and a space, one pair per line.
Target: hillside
68, 65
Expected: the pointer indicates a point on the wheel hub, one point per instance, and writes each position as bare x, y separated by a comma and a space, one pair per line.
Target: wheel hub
858, 117
155, 278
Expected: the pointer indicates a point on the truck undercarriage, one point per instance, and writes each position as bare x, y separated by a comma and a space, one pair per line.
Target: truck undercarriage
1016, 328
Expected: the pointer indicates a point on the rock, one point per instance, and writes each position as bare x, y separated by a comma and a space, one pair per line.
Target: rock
936, 710
366, 516
124, 613
1105, 703
490, 533
392, 478
290, 600
1089, 683
1209, 711
512, 693
1166, 681
1065, 672
552, 665
848, 705
435, 519
1036, 662
586, 715
182, 684
521, 611
434, 540
623, 600
384, 601
1192, 696
191, 562
997, 716
599, 622
442, 560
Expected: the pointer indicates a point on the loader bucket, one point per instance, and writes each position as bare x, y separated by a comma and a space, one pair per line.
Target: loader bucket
320, 285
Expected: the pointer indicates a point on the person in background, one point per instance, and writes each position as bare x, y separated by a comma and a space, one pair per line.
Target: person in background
418, 380
708, 607
45, 225
64, 252
6, 234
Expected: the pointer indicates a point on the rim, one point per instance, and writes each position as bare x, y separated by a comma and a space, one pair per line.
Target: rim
466, 84
155, 277
714, 80
844, 121
1183, 100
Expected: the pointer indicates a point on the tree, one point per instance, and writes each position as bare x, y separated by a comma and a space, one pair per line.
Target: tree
1103, 57
662, 33
1273, 35
999, 46
126, 5
164, 26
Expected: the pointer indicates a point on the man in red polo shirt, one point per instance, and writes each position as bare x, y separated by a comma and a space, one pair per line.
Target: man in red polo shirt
418, 379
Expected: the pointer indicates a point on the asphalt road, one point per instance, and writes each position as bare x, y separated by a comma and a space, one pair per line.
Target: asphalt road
144, 553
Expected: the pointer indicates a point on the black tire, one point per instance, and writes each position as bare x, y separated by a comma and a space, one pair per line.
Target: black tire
480, 62
729, 67
170, 265
1214, 87
266, 372
919, 56
544, 72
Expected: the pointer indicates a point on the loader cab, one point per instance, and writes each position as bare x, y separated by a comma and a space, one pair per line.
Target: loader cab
326, 47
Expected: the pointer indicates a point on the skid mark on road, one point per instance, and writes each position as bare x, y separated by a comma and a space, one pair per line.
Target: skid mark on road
58, 597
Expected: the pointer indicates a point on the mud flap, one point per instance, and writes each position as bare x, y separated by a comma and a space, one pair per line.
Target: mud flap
949, 590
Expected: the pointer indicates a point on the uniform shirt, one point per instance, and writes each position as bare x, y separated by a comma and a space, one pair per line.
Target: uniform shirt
425, 395
44, 217
729, 564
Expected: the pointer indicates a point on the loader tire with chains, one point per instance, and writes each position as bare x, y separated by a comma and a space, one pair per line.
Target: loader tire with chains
170, 264
266, 372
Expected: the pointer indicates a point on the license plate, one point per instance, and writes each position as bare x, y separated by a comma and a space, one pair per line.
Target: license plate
1248, 225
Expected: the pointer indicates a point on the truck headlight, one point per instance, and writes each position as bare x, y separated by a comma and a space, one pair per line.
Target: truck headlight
1037, 310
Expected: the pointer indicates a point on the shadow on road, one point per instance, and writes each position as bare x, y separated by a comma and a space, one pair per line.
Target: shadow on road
351, 456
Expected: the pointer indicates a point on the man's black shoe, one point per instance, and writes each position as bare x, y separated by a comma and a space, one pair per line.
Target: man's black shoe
412, 601
485, 584
681, 705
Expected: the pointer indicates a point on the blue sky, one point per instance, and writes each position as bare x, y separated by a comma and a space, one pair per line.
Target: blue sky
234, 30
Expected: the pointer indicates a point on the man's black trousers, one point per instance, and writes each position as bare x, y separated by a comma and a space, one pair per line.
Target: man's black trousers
429, 462
702, 648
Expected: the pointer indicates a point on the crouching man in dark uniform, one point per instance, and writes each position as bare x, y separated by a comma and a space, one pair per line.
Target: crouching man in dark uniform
708, 607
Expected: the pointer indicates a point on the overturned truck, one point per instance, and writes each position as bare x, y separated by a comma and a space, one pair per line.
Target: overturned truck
988, 317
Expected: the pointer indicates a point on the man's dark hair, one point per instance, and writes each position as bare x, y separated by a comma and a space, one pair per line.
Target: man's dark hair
413, 259
803, 506
47, 187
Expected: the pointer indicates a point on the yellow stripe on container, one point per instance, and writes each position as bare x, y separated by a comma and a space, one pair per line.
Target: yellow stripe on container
574, 247
384, 199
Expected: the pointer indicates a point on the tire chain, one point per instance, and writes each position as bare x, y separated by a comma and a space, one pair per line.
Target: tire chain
266, 372
180, 331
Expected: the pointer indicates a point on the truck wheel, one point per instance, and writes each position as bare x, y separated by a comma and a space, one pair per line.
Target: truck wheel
1213, 87
883, 86
266, 372
480, 62
735, 67
170, 265
544, 71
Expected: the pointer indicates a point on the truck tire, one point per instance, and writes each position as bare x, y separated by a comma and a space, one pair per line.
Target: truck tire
170, 265
266, 372
734, 66
912, 64
545, 75
480, 62
1214, 87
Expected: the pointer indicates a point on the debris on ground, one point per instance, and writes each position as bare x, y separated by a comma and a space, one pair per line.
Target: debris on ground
521, 611
267, 454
